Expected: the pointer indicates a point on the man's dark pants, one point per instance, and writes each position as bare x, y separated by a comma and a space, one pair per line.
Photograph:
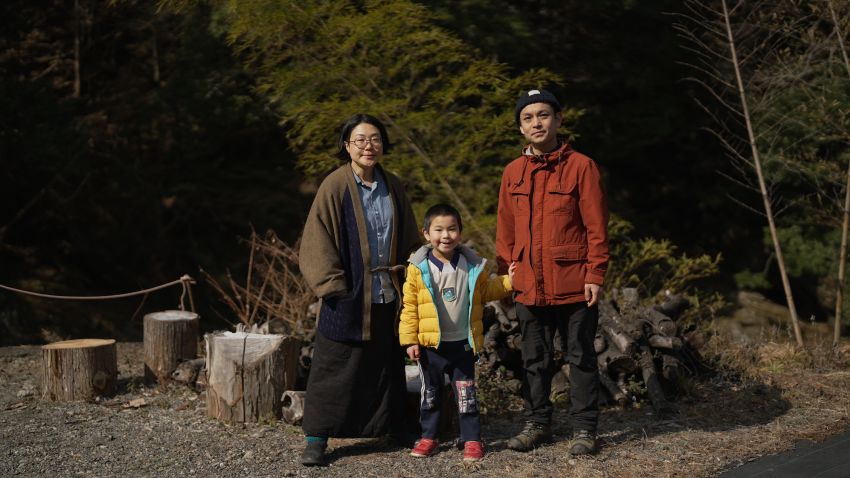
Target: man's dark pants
576, 324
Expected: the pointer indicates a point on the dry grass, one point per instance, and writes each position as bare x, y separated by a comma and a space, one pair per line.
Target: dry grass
765, 396
274, 291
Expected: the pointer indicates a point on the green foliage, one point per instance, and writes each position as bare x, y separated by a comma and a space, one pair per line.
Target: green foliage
449, 111
146, 175
656, 268
809, 251
752, 280
653, 266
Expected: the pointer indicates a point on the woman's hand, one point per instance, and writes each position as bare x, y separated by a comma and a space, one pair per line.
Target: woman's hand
413, 352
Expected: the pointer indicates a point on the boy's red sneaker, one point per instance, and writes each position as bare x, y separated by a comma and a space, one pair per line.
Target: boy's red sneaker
424, 447
473, 451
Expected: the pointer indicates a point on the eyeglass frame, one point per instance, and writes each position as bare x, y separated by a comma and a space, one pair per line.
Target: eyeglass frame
376, 142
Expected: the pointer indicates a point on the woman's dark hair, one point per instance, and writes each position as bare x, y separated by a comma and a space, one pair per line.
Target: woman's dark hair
352, 123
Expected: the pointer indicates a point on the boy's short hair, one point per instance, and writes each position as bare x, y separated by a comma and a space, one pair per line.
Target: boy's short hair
442, 210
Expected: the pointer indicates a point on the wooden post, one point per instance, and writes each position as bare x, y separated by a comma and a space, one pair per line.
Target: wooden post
248, 373
170, 337
79, 369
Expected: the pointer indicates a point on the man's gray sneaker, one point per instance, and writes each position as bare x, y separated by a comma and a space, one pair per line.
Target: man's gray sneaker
532, 436
583, 443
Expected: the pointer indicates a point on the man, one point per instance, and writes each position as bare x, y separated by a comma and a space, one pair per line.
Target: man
553, 222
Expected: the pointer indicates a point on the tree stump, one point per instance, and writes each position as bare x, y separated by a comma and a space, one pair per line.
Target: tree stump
79, 369
170, 338
248, 373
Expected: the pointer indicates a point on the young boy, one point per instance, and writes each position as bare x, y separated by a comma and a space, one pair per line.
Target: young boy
441, 325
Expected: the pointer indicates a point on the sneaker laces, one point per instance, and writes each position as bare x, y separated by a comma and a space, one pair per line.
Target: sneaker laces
532, 426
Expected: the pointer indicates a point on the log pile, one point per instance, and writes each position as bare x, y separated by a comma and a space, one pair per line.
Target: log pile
635, 345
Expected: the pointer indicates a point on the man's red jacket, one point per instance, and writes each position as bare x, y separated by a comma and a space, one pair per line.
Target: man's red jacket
553, 222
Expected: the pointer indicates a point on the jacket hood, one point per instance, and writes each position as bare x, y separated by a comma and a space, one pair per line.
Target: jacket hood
472, 258
560, 152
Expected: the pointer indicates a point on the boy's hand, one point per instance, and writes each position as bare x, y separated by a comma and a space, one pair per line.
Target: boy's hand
413, 352
511, 271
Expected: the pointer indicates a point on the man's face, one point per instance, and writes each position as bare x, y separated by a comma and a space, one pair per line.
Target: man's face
539, 123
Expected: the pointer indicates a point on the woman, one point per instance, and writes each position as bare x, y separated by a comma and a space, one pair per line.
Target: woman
360, 225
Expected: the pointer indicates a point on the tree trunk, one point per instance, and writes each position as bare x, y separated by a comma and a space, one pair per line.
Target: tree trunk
768, 209
248, 373
170, 337
77, 33
155, 54
79, 369
842, 257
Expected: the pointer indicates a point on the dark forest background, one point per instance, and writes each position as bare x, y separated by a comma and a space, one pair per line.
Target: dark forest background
168, 146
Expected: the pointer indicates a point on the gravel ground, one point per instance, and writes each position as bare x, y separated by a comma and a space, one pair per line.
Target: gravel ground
164, 432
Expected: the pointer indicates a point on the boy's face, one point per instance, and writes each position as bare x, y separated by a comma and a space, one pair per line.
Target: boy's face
444, 235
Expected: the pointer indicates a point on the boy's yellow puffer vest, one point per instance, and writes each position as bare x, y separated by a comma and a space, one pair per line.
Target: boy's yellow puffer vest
419, 322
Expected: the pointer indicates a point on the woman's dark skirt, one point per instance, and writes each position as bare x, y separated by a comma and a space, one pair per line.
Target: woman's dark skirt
357, 389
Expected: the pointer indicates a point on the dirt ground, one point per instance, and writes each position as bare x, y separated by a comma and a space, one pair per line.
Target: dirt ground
721, 423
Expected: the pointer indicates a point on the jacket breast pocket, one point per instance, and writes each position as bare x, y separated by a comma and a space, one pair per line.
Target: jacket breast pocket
562, 200
520, 197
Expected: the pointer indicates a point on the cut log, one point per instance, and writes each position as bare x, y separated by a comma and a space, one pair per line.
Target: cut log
248, 373
664, 342
653, 387
293, 406
170, 337
188, 371
611, 387
79, 369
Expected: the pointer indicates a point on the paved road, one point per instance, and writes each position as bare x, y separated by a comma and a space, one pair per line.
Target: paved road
830, 459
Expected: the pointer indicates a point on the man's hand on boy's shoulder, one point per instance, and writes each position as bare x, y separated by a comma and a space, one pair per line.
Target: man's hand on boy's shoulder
511, 271
413, 352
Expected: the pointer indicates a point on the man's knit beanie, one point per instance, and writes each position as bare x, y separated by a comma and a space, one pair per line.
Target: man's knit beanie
535, 96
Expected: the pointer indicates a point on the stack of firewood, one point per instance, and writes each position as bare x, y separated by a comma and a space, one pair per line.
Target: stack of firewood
638, 347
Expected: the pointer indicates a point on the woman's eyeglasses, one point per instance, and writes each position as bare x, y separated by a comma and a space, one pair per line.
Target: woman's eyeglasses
361, 143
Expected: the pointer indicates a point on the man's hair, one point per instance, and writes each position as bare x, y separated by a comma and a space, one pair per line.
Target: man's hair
352, 123
442, 210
